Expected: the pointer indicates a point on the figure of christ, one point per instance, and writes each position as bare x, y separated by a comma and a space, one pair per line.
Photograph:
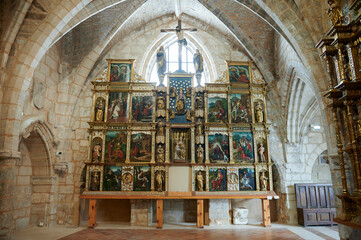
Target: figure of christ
200, 180
261, 150
216, 183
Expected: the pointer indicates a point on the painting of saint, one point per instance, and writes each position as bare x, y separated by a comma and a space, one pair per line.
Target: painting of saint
240, 108
243, 147
118, 107
238, 73
97, 150
142, 178
218, 148
246, 179
112, 178
115, 146
179, 146
217, 179
142, 108
217, 110
120, 72
141, 147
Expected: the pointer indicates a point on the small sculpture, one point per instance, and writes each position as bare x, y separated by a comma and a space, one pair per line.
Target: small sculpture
99, 110
261, 150
172, 91
199, 127
161, 127
180, 102
264, 182
334, 13
259, 113
240, 216
160, 103
189, 92
161, 64
160, 154
180, 149
96, 153
200, 154
171, 114
94, 185
199, 101
200, 180
198, 65
159, 179
189, 115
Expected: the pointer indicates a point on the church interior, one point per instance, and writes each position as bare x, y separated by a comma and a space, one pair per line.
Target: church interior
180, 118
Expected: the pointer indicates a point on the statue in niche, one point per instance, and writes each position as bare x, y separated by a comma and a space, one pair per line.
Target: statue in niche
180, 102
94, 182
199, 127
161, 128
199, 101
160, 103
200, 181
99, 112
259, 113
172, 92
159, 180
261, 151
200, 154
161, 64
180, 148
160, 154
264, 182
97, 152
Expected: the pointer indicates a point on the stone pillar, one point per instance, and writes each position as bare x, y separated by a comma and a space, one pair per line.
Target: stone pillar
139, 212
8, 197
219, 212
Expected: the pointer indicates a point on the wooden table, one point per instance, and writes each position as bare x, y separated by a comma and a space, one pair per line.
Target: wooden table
199, 196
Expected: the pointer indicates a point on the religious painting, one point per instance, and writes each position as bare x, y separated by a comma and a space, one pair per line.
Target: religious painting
246, 179
127, 178
94, 183
116, 146
99, 109
238, 72
240, 108
346, 11
118, 107
180, 99
112, 178
243, 147
142, 178
200, 181
232, 179
217, 108
218, 179
141, 147
180, 143
142, 108
97, 150
120, 72
218, 148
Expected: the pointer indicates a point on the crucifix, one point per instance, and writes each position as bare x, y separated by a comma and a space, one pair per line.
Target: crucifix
181, 40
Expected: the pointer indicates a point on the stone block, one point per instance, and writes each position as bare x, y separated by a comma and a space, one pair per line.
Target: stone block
25, 170
40, 197
22, 223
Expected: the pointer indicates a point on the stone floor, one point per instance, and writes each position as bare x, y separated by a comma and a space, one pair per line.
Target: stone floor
115, 231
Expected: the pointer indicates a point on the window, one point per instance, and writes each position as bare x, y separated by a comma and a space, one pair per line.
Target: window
172, 62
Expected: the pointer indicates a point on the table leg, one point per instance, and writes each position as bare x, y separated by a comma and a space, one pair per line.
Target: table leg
159, 213
266, 213
200, 213
92, 213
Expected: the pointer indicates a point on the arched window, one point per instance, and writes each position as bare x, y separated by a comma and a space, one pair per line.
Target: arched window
172, 62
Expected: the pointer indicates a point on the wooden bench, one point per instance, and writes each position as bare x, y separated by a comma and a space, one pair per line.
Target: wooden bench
199, 196
315, 204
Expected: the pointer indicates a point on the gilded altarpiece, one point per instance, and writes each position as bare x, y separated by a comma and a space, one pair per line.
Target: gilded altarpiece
138, 131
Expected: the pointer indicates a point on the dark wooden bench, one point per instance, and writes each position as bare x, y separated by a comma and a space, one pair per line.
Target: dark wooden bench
315, 204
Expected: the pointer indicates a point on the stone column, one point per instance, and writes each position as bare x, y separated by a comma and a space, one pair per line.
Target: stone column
8, 173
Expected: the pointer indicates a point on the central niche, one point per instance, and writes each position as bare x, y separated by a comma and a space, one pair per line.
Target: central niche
180, 145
